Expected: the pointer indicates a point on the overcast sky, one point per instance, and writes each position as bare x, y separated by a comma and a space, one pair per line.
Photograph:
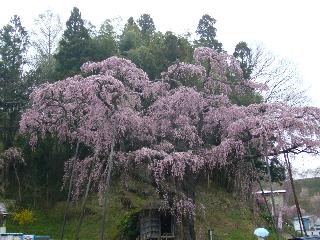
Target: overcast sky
289, 28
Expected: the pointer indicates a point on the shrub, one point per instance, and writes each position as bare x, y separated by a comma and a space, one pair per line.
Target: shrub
24, 217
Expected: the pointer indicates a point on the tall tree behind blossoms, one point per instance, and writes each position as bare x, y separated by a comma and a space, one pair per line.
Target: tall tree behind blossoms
13, 46
207, 33
74, 47
130, 38
146, 24
243, 53
282, 77
44, 39
176, 128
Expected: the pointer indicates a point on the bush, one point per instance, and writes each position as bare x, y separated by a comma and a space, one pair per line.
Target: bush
24, 217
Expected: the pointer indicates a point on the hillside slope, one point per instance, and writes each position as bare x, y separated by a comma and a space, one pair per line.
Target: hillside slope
308, 191
225, 214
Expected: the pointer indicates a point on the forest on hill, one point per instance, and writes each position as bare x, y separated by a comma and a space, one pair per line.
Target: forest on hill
84, 108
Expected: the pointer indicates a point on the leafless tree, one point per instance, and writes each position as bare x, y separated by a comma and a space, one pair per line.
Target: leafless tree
282, 77
44, 40
46, 33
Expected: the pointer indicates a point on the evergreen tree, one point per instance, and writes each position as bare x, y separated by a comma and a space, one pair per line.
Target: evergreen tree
13, 47
107, 29
74, 47
207, 33
130, 37
177, 48
171, 47
243, 54
146, 24
104, 44
145, 58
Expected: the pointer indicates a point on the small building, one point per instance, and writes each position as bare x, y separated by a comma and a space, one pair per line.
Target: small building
279, 201
156, 224
3, 216
278, 196
317, 224
310, 223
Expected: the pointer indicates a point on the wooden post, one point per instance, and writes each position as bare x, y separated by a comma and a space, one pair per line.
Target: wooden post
302, 226
210, 234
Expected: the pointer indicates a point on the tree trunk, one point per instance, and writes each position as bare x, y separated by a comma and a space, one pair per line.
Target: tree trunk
272, 197
269, 211
85, 198
18, 181
106, 190
69, 192
47, 179
34, 192
185, 228
263, 195
47, 189
2, 180
286, 157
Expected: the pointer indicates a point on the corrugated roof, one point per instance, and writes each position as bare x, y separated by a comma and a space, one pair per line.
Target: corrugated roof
306, 216
274, 191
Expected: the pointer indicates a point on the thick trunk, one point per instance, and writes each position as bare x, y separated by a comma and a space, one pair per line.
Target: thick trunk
185, 227
106, 190
69, 192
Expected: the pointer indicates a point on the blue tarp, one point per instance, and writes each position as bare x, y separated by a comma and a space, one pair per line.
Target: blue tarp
21, 236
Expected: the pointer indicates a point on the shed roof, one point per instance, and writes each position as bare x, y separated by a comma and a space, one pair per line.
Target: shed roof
274, 191
304, 217
3, 209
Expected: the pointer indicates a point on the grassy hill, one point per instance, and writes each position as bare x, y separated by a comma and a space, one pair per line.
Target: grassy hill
308, 191
313, 185
220, 211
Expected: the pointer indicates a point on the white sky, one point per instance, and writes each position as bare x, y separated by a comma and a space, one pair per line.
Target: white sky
289, 28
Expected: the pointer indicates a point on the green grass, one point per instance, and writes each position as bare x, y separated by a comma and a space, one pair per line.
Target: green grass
229, 218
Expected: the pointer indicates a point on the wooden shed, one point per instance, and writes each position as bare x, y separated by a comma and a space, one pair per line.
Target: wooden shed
156, 224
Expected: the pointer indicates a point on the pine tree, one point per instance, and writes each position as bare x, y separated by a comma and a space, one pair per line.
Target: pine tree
207, 33
13, 46
74, 47
130, 38
243, 54
146, 24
